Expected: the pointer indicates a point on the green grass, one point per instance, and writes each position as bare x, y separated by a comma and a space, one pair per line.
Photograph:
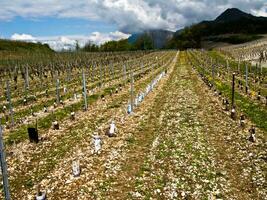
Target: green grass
255, 112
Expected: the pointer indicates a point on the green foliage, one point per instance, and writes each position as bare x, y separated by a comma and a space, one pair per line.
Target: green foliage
144, 42
90, 47
77, 46
121, 45
19, 46
256, 113
189, 37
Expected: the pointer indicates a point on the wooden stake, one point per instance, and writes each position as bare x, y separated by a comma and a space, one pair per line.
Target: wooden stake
246, 77
84, 91
10, 103
57, 88
233, 91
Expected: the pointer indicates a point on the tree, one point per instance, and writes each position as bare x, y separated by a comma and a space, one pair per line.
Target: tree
77, 46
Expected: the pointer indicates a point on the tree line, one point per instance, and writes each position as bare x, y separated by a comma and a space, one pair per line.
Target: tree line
143, 42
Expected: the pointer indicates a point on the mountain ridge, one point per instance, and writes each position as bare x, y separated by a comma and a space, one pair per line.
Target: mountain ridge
231, 22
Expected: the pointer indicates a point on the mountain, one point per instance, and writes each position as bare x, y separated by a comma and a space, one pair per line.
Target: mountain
159, 38
235, 21
232, 26
232, 14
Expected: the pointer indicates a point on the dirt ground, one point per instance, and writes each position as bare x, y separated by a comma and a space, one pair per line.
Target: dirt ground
178, 144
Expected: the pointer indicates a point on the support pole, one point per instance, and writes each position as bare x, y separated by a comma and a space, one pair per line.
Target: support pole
233, 91
132, 91
10, 103
57, 88
113, 72
239, 65
84, 91
100, 71
27, 77
4, 165
213, 73
246, 78
124, 72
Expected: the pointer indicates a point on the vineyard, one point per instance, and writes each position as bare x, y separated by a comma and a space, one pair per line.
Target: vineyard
135, 125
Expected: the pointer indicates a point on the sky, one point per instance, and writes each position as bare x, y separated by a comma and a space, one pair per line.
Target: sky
61, 23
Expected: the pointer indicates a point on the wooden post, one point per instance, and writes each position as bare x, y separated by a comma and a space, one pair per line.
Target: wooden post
239, 65
124, 72
227, 65
84, 90
10, 103
104, 78
113, 72
93, 72
260, 66
4, 165
246, 78
69, 74
27, 77
213, 73
100, 71
233, 91
57, 91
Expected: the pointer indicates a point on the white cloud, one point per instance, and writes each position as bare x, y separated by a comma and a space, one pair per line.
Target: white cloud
130, 15
24, 37
261, 12
69, 42
100, 38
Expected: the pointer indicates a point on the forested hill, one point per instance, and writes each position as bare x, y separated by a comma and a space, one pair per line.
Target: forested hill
19, 46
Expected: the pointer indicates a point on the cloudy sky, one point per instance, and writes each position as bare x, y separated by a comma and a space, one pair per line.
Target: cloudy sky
59, 22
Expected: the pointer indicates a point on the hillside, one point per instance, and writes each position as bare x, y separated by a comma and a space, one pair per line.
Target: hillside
19, 46
159, 38
238, 26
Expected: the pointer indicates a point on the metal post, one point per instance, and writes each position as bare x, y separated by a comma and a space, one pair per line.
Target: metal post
57, 88
4, 165
132, 90
27, 77
233, 91
10, 103
84, 91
